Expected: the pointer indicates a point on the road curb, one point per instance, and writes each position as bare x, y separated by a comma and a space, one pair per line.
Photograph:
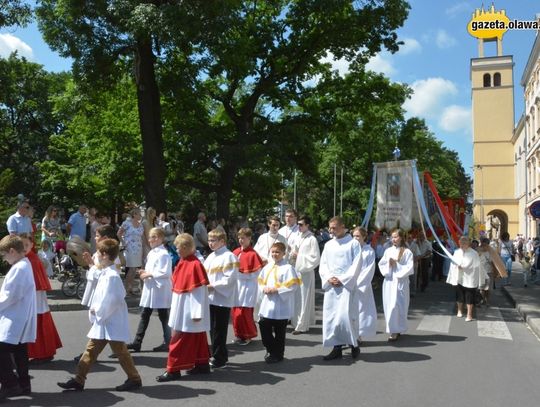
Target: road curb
528, 312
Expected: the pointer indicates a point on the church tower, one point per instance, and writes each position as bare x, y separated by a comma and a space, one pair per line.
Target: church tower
494, 202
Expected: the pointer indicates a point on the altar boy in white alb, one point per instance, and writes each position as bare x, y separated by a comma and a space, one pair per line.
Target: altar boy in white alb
340, 265
222, 269
278, 281
18, 320
109, 317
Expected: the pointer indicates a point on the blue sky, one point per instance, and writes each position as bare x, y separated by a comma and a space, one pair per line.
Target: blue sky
434, 61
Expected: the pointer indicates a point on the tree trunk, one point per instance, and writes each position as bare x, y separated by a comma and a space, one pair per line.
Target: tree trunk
225, 190
150, 123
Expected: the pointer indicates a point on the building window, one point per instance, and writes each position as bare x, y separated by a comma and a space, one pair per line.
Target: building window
497, 79
487, 80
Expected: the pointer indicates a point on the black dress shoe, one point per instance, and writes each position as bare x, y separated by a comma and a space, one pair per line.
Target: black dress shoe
71, 384
217, 364
168, 377
355, 351
129, 385
136, 347
335, 354
161, 348
12, 391
273, 359
199, 369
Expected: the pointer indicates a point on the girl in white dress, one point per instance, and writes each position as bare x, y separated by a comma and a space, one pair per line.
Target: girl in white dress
396, 266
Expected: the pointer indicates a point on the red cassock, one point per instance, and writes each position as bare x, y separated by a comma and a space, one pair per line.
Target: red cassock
188, 349
242, 317
47, 338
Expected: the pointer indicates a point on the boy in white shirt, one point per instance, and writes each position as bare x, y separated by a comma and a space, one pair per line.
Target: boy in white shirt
278, 281
109, 317
18, 320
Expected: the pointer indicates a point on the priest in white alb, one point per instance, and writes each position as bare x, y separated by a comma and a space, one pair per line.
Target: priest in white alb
339, 268
305, 257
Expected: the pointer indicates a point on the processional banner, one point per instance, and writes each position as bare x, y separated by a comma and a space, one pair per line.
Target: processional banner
395, 198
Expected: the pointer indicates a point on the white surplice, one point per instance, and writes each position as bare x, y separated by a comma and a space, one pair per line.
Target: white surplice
282, 276
265, 242
367, 319
108, 311
396, 288
18, 318
341, 259
189, 306
308, 257
222, 268
157, 290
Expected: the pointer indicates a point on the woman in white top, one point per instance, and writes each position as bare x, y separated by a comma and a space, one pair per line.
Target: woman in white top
464, 274
396, 266
131, 233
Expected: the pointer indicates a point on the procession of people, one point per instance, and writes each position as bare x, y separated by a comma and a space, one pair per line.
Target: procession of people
270, 281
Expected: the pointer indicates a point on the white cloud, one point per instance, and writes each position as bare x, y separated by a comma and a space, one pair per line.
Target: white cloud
340, 65
382, 63
410, 46
9, 43
444, 40
455, 119
458, 8
429, 97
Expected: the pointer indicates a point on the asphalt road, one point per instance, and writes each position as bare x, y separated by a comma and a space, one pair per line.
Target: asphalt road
443, 361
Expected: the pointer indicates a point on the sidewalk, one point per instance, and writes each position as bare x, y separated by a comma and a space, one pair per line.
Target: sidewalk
525, 299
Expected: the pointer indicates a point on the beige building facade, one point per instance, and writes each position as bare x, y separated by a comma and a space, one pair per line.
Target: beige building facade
528, 150
506, 156
494, 203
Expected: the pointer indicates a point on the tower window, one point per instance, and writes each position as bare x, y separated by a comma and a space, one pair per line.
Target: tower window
487, 80
497, 79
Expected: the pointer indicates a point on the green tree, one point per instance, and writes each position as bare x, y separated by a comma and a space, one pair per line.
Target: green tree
14, 12
26, 122
95, 159
242, 100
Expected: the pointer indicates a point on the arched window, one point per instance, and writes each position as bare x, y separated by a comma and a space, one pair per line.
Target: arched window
497, 79
487, 80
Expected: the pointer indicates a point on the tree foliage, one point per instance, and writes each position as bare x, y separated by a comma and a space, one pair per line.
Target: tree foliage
26, 122
95, 159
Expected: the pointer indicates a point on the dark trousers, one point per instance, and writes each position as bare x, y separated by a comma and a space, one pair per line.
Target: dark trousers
219, 325
9, 354
423, 273
273, 335
163, 314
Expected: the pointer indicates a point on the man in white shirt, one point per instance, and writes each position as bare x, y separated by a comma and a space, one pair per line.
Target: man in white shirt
20, 222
